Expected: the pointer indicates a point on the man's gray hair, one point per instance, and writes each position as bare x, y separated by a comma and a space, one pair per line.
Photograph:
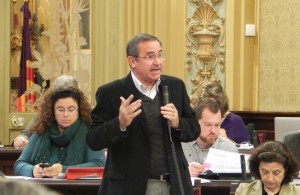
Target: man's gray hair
64, 81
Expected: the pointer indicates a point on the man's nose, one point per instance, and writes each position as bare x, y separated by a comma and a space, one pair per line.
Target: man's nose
213, 129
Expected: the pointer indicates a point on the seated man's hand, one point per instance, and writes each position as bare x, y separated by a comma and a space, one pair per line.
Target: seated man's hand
20, 142
223, 133
195, 169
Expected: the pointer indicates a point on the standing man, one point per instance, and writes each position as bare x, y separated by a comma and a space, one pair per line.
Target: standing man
208, 113
130, 120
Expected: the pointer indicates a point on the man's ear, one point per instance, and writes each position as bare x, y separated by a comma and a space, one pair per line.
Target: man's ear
131, 61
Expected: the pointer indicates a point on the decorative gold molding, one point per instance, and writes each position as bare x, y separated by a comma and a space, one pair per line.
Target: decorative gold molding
199, 2
61, 53
205, 47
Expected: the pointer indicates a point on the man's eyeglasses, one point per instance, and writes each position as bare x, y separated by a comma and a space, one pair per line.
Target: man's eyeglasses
152, 57
70, 110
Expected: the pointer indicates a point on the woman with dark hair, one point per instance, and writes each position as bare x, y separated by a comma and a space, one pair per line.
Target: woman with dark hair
60, 127
61, 81
273, 166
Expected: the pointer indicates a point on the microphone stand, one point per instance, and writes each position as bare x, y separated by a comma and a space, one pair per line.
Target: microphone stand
243, 167
173, 151
174, 156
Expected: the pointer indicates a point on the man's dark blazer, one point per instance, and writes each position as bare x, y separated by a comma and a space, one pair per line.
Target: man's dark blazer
128, 153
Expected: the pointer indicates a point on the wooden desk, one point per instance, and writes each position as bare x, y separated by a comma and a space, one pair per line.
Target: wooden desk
91, 187
8, 157
72, 187
219, 188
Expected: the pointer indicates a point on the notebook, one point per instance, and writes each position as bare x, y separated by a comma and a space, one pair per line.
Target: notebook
84, 173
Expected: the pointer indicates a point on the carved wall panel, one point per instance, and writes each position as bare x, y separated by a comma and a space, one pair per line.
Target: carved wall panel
205, 43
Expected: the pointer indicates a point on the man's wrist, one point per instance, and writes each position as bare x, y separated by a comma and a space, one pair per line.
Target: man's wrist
178, 128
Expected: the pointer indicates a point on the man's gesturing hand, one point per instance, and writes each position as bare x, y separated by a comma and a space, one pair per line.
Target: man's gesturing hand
128, 111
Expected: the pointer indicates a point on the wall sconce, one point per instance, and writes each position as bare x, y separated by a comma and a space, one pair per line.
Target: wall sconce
250, 30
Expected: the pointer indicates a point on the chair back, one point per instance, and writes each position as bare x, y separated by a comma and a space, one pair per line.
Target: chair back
284, 125
292, 141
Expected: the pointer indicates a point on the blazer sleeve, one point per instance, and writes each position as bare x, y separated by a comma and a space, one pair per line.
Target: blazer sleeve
105, 128
190, 128
92, 159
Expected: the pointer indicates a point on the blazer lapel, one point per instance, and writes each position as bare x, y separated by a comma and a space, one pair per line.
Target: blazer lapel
286, 188
131, 89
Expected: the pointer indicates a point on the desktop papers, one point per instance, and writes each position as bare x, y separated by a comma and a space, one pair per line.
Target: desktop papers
220, 161
201, 179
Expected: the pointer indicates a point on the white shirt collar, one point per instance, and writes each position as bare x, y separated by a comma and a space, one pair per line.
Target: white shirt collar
141, 87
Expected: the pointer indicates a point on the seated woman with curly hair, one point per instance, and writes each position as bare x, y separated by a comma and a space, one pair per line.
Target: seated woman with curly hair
60, 127
273, 166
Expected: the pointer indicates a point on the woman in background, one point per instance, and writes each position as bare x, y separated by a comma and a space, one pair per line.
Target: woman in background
273, 166
61, 126
61, 81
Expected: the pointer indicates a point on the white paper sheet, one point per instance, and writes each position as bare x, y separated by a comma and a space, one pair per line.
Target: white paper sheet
202, 180
220, 161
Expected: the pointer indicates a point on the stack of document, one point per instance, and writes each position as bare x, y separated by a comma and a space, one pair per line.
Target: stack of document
220, 161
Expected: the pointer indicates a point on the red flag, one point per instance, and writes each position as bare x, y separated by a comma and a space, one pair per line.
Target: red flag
26, 76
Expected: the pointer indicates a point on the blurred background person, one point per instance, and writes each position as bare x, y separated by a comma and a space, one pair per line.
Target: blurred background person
22, 187
209, 115
61, 126
273, 166
61, 81
232, 126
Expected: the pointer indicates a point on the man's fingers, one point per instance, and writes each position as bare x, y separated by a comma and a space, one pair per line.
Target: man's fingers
126, 102
129, 110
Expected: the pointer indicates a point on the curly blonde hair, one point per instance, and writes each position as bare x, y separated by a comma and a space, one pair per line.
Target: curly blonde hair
45, 115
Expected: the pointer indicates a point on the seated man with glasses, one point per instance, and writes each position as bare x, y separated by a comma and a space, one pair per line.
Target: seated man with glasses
59, 141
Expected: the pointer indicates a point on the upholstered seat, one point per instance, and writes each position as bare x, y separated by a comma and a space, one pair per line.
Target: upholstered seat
284, 125
292, 141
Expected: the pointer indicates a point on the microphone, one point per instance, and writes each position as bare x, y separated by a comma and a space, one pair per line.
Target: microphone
166, 94
243, 167
167, 100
